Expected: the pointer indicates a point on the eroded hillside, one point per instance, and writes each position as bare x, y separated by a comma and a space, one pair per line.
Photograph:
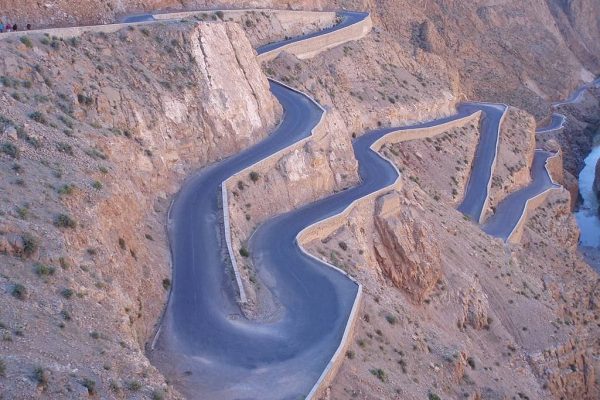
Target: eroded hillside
98, 133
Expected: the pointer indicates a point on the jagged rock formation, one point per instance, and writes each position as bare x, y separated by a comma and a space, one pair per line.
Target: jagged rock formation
408, 257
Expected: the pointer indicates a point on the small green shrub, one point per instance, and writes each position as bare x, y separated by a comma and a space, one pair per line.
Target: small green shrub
40, 376
30, 244
64, 148
433, 396
64, 221
97, 185
391, 319
65, 315
26, 41
38, 117
90, 385
44, 270
134, 385
244, 252
379, 373
122, 244
166, 283
45, 41
350, 354
158, 394
95, 335
343, 246
84, 100
67, 293
220, 14
254, 176
19, 291
10, 150
66, 189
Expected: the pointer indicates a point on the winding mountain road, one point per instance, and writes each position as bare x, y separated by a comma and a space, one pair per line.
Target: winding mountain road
204, 343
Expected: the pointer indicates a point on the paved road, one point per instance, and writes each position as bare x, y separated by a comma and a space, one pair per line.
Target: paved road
557, 122
348, 18
477, 189
509, 211
578, 93
138, 18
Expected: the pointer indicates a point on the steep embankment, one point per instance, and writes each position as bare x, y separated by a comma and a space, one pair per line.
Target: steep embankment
98, 132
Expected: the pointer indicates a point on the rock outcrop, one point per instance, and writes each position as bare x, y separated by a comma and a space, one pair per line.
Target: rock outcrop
404, 249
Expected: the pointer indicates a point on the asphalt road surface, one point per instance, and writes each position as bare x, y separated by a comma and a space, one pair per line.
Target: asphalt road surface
557, 122
477, 189
348, 18
509, 211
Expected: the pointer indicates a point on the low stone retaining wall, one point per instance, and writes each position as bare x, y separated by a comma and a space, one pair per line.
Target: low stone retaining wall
312, 46
533, 203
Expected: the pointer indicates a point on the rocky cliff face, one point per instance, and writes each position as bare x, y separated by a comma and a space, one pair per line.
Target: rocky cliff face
408, 257
97, 133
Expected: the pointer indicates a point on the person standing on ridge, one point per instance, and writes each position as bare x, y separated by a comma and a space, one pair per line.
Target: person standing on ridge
1, 27
15, 28
28, 27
